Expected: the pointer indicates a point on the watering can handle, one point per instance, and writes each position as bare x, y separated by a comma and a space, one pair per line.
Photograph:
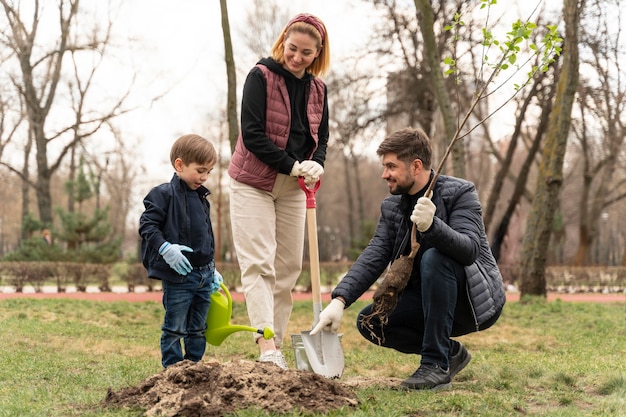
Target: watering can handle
224, 288
309, 192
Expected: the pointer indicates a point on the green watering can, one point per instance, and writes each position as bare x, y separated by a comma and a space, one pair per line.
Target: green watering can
218, 319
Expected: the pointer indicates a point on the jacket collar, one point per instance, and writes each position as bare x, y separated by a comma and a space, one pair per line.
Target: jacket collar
180, 185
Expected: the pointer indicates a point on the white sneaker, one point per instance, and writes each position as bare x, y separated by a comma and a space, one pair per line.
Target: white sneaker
274, 356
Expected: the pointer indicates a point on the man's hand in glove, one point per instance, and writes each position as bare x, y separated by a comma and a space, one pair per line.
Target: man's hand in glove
330, 317
423, 213
217, 280
173, 255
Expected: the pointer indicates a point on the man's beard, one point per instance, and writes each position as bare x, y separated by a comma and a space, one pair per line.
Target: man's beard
401, 188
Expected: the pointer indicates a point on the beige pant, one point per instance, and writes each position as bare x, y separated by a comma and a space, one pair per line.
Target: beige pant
268, 234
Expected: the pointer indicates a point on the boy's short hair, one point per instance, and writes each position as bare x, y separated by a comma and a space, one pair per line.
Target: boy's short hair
408, 144
193, 149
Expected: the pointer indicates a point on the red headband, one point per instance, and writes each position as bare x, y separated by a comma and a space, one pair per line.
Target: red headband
311, 20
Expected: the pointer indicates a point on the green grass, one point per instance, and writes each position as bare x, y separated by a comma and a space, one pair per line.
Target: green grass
59, 358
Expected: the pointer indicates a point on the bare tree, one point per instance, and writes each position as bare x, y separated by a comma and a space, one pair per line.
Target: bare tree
42, 81
398, 44
545, 94
11, 117
263, 24
539, 229
231, 75
114, 173
11, 120
433, 60
356, 119
600, 129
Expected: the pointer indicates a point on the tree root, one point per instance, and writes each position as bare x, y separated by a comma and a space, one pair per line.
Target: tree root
387, 295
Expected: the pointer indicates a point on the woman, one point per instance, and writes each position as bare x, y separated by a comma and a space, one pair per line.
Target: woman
284, 134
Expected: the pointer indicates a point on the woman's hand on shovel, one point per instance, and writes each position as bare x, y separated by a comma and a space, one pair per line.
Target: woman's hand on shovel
330, 317
311, 171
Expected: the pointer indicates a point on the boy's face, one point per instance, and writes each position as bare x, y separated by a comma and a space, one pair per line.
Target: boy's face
193, 174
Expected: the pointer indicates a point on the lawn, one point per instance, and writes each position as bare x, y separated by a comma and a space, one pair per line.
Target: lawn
59, 357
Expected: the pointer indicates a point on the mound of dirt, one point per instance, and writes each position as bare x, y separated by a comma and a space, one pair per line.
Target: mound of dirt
214, 389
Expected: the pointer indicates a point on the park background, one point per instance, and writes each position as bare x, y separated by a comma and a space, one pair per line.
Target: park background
91, 102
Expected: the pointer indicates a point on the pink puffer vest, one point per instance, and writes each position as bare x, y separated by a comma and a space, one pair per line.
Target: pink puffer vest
247, 168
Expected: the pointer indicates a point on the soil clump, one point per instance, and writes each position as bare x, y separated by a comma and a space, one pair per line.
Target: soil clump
216, 389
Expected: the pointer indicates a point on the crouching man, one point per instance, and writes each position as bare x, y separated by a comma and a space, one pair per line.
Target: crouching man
454, 286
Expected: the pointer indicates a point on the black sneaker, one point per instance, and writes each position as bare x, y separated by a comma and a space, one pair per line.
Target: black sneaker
459, 361
427, 377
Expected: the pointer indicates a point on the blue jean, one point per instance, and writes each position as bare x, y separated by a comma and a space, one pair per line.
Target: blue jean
428, 313
186, 308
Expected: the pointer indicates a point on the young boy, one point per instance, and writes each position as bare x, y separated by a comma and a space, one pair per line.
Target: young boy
177, 247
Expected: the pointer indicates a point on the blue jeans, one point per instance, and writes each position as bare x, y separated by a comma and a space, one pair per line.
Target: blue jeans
186, 308
429, 311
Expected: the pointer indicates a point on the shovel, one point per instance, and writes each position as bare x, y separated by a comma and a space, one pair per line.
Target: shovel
323, 349
218, 319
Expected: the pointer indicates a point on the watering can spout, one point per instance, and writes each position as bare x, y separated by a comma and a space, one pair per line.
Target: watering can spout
218, 320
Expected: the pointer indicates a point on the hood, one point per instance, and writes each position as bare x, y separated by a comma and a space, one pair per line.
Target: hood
278, 69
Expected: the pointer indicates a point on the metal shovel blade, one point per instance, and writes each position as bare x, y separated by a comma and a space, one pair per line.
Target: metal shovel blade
323, 350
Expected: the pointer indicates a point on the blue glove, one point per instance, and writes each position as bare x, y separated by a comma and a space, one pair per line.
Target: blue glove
217, 280
173, 255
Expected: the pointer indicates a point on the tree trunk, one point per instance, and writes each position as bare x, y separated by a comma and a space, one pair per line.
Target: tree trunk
584, 247
26, 185
231, 106
44, 197
550, 179
350, 198
359, 191
433, 59
598, 175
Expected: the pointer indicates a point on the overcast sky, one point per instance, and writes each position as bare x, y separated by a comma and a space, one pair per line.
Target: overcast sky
179, 46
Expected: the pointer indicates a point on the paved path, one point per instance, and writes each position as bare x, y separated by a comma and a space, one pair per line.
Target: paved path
298, 296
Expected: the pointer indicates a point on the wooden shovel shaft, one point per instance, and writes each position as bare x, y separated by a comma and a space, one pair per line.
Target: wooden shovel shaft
314, 257
311, 220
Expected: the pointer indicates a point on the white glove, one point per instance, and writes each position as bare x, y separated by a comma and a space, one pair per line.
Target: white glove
330, 317
296, 170
311, 169
423, 213
310, 181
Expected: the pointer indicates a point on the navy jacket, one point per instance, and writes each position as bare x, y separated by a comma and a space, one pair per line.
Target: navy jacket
177, 214
457, 231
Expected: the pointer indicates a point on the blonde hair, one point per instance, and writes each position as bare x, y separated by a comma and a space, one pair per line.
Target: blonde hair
193, 149
321, 64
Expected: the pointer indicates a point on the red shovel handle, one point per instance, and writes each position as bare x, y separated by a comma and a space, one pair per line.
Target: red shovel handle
310, 192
